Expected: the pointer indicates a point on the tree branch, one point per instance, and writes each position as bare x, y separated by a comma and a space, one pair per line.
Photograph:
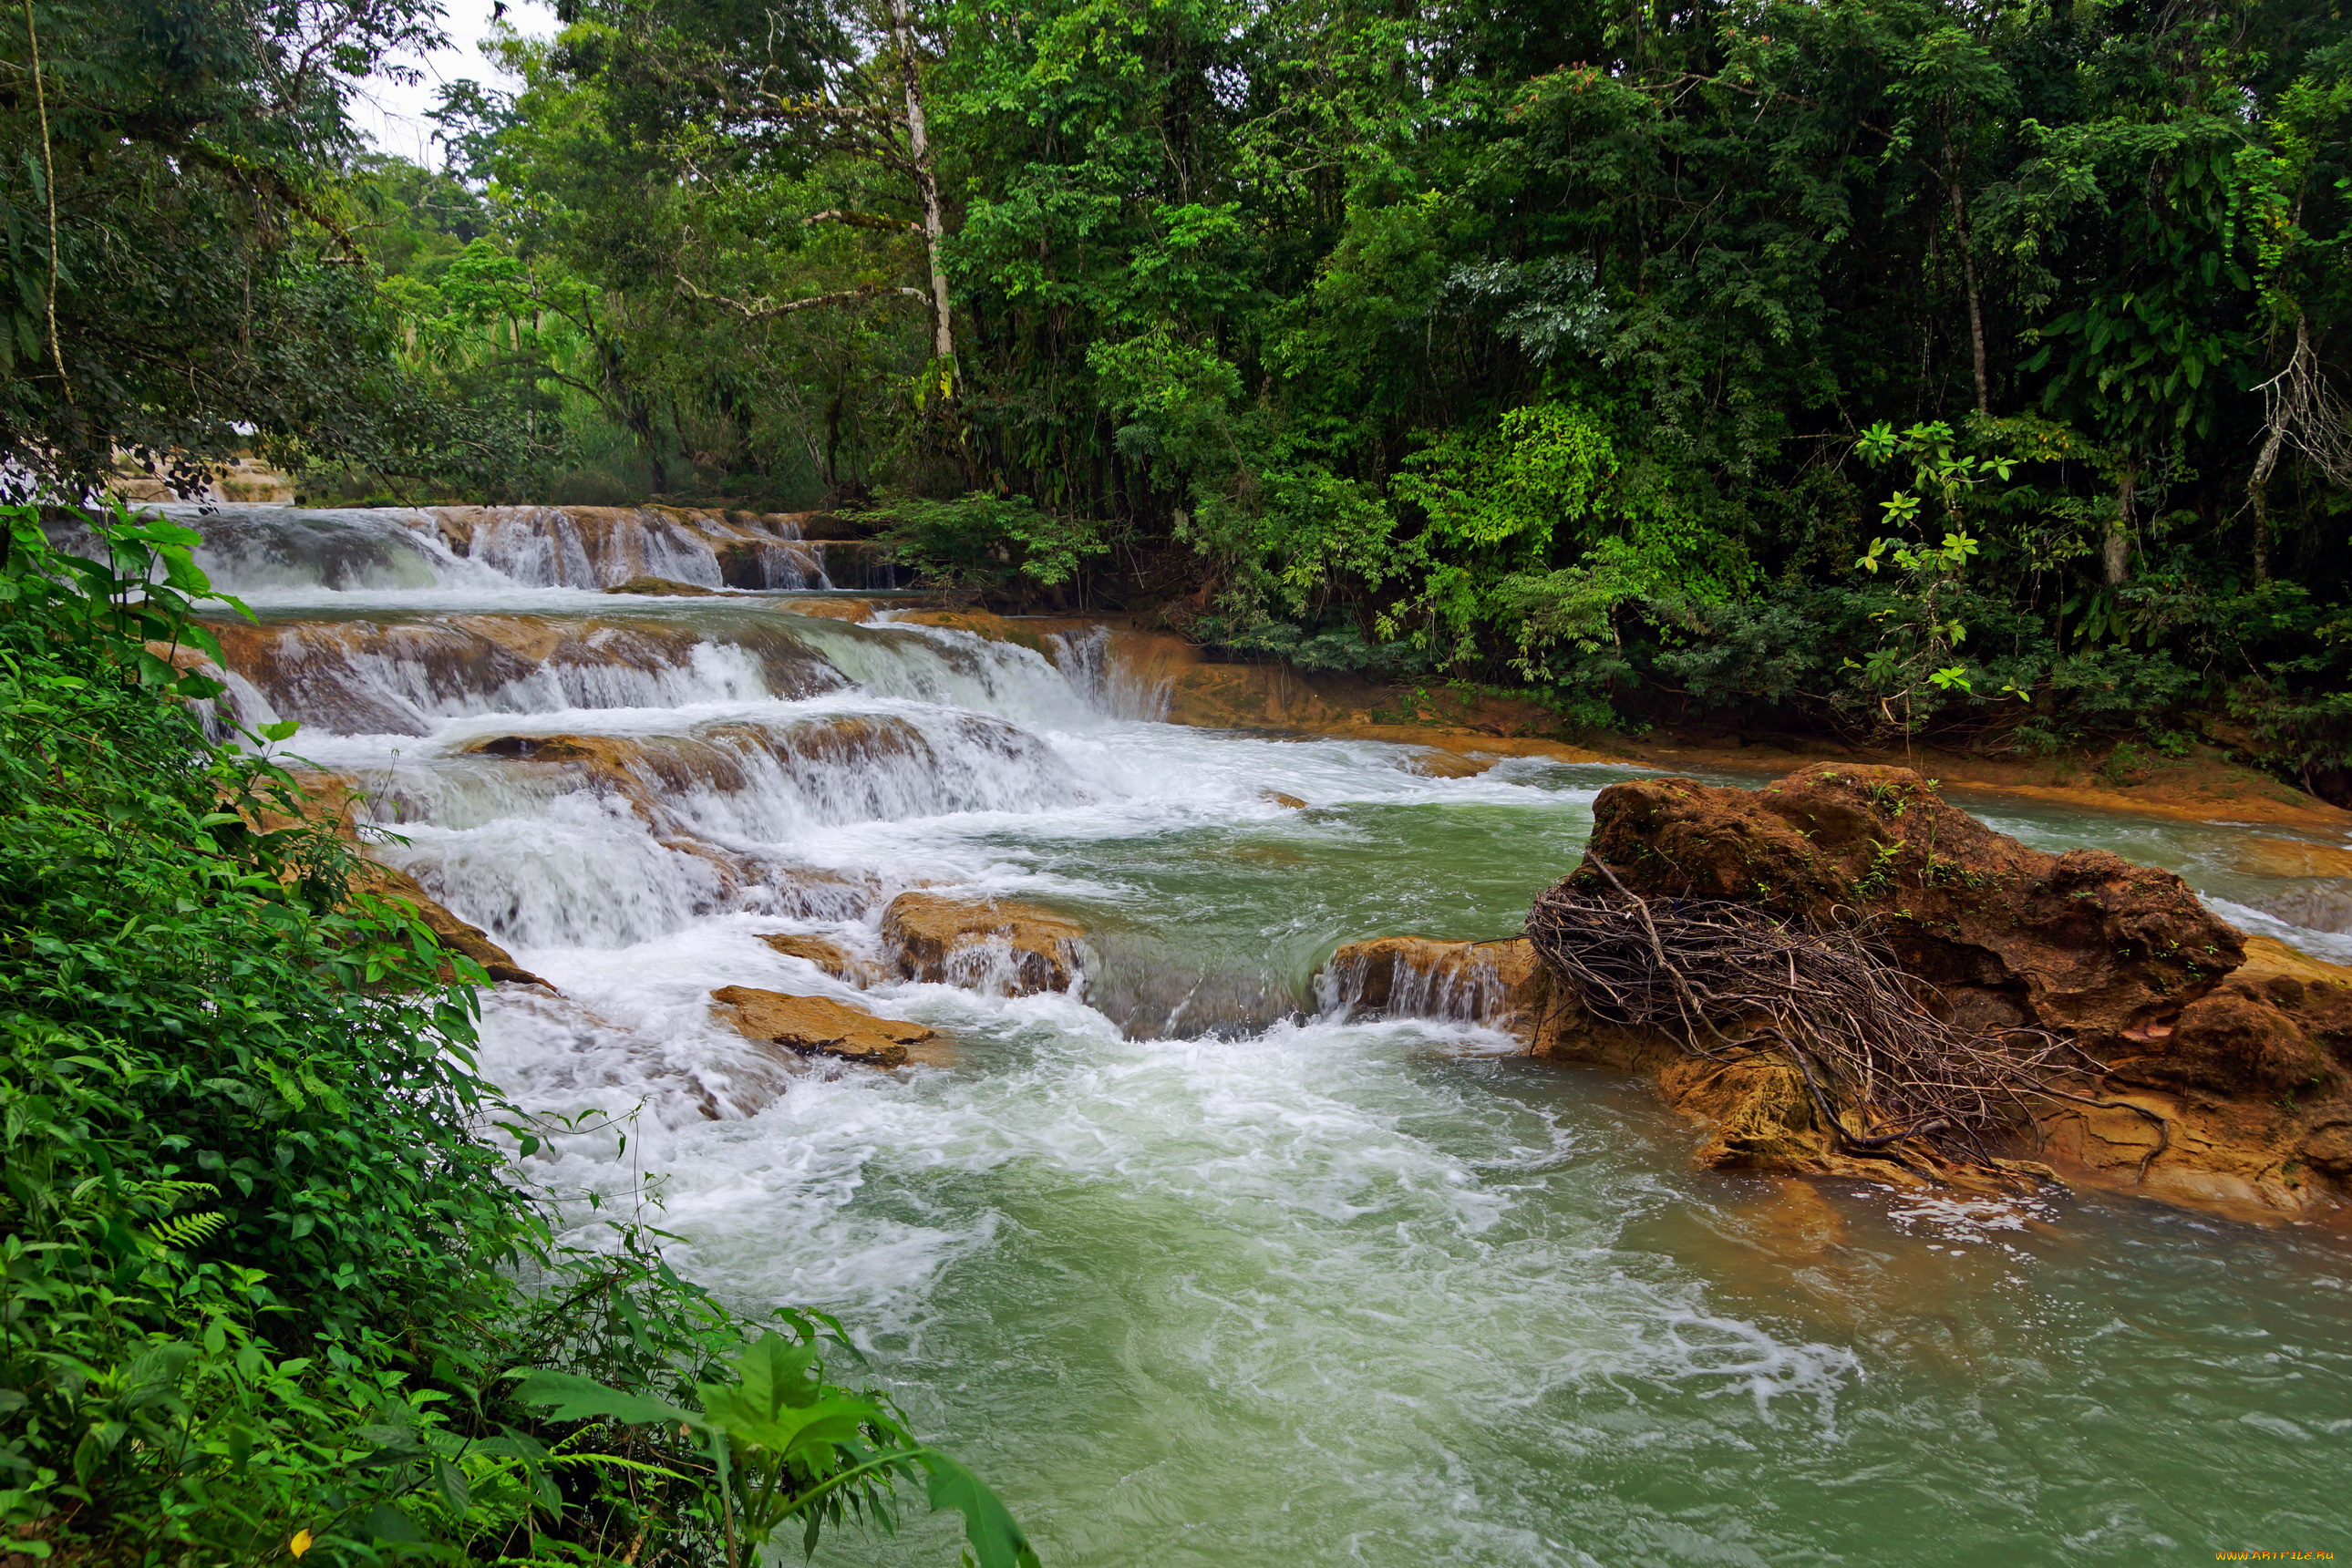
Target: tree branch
766, 310
864, 220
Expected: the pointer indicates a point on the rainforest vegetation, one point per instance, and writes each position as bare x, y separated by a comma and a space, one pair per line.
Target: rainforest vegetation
267, 1287
1974, 370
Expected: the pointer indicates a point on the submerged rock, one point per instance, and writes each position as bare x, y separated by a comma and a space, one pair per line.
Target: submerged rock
830, 609
663, 588
982, 942
1497, 984
829, 956
816, 1025
2214, 1065
1434, 763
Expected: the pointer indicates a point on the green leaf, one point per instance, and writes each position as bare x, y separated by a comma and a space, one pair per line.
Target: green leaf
778, 1373
792, 1432
571, 1397
450, 1482
996, 1540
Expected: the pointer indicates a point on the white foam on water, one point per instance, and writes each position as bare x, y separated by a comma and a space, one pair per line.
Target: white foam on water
272, 551
261, 551
2334, 946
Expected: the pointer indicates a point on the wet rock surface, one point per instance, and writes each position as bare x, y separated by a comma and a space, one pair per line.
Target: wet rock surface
454, 934
2085, 942
818, 1026
2214, 1064
829, 956
1497, 984
1018, 948
404, 676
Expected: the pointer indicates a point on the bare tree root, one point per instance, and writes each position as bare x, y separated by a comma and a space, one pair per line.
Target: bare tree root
1723, 980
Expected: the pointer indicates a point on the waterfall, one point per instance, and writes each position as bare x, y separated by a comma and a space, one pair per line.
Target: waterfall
603, 547
271, 550
1089, 660
1409, 977
402, 676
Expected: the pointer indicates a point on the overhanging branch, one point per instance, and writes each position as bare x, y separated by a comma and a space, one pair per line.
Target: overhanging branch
769, 310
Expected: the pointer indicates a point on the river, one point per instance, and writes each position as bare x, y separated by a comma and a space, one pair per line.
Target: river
1194, 1271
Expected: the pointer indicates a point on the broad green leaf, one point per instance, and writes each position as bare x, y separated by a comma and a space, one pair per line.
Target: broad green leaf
996, 1540
571, 1397
778, 1373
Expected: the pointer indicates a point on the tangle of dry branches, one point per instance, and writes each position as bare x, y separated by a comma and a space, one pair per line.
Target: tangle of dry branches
1724, 979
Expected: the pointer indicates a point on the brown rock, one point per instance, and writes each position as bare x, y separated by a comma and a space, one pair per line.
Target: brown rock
2224, 1057
832, 609
2085, 942
2293, 857
967, 942
830, 957
816, 1025
1500, 984
982, 624
2226, 1060
1442, 764
452, 933
1278, 798
647, 769
1759, 1116
663, 587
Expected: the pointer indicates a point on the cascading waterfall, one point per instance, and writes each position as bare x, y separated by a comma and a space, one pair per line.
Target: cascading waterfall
1197, 1266
404, 676
1449, 991
1088, 661
276, 550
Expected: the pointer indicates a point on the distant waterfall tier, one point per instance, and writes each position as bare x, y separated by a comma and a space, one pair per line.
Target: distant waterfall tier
271, 549
403, 674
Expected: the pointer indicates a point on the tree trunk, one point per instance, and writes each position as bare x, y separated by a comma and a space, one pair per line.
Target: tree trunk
2117, 553
1969, 280
927, 185
2261, 500
2258, 484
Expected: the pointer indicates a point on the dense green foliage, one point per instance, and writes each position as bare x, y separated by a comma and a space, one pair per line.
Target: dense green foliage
1541, 345
180, 266
266, 1285
1889, 366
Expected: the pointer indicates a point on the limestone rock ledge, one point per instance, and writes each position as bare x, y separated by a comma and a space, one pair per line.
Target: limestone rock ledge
829, 956
2227, 1059
982, 943
817, 1026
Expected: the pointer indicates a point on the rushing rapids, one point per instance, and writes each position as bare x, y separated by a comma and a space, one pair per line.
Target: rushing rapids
1200, 1262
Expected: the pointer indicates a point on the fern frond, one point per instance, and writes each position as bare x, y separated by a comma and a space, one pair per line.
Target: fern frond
187, 1231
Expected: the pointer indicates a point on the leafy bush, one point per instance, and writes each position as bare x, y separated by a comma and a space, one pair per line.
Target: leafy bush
264, 1280
981, 541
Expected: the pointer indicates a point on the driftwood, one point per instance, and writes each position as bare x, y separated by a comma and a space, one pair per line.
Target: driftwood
1725, 979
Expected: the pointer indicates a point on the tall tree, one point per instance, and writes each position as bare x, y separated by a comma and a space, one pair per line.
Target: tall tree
181, 266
